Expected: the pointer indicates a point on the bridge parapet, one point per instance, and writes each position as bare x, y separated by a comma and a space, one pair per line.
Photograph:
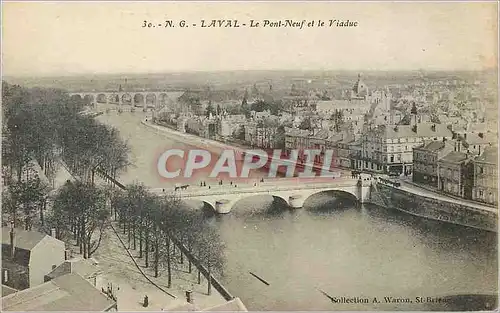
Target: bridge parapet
223, 190
223, 199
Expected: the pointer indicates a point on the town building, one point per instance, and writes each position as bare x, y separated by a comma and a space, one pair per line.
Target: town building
389, 148
27, 256
229, 125
296, 139
68, 293
454, 170
485, 178
475, 143
425, 160
357, 101
341, 146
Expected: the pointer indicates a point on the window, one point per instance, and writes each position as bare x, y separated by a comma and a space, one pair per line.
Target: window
392, 159
5, 276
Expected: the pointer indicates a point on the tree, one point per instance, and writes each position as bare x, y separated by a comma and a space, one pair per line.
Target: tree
80, 208
209, 250
306, 124
338, 119
279, 139
25, 198
210, 109
414, 108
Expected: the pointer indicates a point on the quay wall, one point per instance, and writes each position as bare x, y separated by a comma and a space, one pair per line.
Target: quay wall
431, 208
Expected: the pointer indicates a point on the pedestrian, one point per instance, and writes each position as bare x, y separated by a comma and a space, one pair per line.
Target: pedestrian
201, 184
146, 301
208, 187
231, 183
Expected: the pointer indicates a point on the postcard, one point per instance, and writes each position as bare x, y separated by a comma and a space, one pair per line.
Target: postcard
249, 156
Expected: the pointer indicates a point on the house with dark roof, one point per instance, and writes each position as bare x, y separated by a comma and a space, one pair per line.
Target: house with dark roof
485, 185
69, 292
425, 161
454, 174
475, 143
27, 256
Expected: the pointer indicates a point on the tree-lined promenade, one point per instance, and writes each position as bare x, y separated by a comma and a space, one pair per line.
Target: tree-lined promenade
44, 126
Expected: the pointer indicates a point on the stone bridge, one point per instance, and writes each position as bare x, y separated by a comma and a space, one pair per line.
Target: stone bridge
145, 99
223, 198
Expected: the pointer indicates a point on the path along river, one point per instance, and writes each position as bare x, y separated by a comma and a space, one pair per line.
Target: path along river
332, 244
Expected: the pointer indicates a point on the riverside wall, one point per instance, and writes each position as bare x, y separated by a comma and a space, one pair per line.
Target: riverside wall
431, 208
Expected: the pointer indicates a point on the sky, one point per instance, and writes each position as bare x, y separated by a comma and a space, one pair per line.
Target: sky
47, 38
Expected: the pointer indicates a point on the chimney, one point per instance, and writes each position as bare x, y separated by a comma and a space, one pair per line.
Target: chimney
53, 232
12, 240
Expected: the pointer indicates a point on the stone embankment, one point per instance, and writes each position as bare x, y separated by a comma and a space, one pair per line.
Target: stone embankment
436, 209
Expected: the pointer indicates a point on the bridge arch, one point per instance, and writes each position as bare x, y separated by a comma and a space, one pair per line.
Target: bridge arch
347, 194
114, 98
139, 99
76, 97
163, 99
127, 99
88, 99
101, 98
151, 100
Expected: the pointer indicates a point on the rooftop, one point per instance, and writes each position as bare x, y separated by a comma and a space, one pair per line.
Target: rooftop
454, 157
83, 267
69, 292
24, 239
435, 145
6, 290
422, 130
489, 155
475, 139
234, 305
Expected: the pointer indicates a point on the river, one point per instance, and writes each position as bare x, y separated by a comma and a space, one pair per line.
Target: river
333, 244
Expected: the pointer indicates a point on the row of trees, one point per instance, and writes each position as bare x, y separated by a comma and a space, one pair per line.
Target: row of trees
41, 127
158, 225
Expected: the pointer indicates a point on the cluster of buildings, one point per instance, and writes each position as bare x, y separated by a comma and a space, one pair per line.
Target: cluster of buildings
38, 275
464, 167
380, 131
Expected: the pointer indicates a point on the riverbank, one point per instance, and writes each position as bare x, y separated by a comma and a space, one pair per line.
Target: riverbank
209, 144
436, 207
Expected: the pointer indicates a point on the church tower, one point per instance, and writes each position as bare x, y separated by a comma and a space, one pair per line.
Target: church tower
359, 90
